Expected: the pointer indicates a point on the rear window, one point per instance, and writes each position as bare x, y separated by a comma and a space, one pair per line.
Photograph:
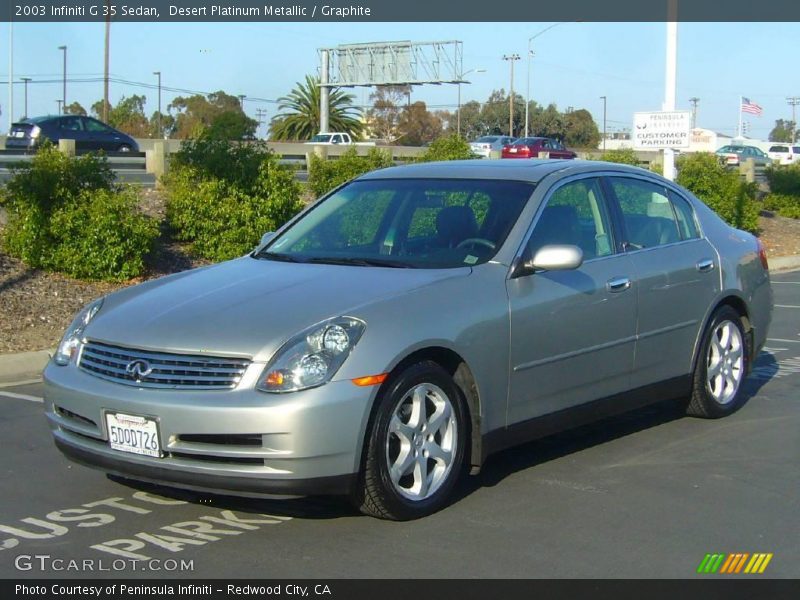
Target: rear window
796, 149
487, 139
779, 149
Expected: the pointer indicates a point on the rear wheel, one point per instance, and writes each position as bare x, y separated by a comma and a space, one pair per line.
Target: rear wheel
415, 450
124, 148
721, 367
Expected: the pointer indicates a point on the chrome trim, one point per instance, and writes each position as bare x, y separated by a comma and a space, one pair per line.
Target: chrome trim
168, 370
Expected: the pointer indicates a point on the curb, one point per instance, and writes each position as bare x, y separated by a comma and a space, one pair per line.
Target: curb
25, 367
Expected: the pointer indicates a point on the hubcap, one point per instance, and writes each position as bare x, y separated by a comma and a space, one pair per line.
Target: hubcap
422, 442
725, 362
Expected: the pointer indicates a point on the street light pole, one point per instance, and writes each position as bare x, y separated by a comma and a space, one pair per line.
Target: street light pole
64, 79
604, 99
530, 56
59, 105
458, 111
160, 124
511, 58
25, 81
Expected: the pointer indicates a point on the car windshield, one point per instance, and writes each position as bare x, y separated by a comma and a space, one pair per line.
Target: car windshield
410, 223
321, 137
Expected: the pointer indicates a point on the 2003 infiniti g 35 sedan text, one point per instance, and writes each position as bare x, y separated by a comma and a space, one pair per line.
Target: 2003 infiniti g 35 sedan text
415, 320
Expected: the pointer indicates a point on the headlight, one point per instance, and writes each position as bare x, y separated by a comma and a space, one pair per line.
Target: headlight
35, 131
72, 339
312, 357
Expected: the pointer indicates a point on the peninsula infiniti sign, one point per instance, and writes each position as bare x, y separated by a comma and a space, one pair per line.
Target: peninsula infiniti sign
138, 369
668, 129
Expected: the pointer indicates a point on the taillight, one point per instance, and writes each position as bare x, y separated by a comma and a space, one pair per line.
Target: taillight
762, 255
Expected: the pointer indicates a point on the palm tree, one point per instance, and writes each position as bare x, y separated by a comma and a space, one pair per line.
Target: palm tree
299, 119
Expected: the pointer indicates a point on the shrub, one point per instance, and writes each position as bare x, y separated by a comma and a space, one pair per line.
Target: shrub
784, 180
786, 206
449, 147
224, 217
232, 162
325, 175
66, 214
722, 190
625, 156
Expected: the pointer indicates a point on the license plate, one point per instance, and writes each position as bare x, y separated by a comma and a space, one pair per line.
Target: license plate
512, 150
129, 433
19, 134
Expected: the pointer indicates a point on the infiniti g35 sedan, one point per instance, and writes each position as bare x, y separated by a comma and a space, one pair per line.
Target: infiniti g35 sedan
415, 320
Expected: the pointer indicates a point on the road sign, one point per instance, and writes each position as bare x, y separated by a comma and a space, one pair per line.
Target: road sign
667, 129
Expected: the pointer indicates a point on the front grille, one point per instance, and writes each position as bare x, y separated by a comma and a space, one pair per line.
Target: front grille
166, 371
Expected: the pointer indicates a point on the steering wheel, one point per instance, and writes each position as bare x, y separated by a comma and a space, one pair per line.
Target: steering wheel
479, 241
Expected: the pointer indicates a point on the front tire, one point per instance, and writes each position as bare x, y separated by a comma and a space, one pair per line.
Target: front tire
721, 367
416, 446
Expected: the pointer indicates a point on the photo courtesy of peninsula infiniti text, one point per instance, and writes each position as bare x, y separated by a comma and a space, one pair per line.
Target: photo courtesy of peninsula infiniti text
415, 320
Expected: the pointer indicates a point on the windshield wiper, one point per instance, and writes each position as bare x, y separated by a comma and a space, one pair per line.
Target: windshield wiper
360, 262
279, 257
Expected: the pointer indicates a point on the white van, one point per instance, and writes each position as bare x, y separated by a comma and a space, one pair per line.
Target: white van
785, 154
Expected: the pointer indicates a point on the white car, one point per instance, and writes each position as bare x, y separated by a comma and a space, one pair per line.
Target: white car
484, 145
785, 154
336, 138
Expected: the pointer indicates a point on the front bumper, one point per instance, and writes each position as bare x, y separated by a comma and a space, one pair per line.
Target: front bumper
305, 442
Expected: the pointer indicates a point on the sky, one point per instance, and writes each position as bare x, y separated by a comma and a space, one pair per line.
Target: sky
573, 65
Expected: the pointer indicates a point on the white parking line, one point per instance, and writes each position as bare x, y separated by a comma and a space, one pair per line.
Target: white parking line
785, 341
22, 397
786, 306
791, 282
19, 383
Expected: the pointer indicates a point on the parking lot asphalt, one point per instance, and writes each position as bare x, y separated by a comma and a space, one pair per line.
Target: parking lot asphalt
646, 495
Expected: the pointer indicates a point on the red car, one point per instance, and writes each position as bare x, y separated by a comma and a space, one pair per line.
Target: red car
537, 147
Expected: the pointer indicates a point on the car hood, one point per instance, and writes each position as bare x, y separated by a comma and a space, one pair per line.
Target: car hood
247, 307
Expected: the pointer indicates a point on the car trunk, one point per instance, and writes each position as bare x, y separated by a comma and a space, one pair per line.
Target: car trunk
21, 131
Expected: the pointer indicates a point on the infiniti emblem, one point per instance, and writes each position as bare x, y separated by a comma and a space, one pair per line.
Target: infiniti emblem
138, 369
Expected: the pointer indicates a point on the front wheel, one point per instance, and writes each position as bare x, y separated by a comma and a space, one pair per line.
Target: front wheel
416, 447
124, 148
721, 367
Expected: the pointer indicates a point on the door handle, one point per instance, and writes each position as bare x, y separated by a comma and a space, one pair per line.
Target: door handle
705, 265
618, 284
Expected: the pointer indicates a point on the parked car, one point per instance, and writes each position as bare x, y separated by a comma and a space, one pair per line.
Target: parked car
486, 144
734, 155
784, 154
408, 325
536, 147
88, 133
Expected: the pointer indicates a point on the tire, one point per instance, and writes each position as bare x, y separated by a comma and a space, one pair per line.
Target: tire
401, 445
124, 148
721, 367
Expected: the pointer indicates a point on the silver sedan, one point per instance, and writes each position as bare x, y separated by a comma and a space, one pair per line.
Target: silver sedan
389, 338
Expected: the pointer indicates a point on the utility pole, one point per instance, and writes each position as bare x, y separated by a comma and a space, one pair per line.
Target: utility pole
64, 79
793, 102
604, 99
106, 62
160, 123
25, 80
261, 116
693, 101
511, 58
10, 75
241, 101
59, 106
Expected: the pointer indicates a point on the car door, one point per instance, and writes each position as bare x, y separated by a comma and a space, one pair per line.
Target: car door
100, 136
70, 127
572, 332
677, 272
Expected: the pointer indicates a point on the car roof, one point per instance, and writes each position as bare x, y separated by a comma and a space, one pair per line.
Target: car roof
519, 170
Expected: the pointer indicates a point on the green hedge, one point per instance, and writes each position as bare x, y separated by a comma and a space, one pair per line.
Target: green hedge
449, 147
223, 211
67, 215
721, 189
785, 206
784, 180
325, 175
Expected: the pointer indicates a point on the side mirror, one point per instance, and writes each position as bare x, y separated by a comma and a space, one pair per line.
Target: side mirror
556, 257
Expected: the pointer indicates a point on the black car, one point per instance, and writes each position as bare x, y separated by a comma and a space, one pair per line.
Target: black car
88, 133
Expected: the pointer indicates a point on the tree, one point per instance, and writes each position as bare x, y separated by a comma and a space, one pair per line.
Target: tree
580, 129
547, 122
218, 114
384, 116
127, 116
495, 112
75, 109
300, 117
419, 126
472, 126
782, 132
163, 127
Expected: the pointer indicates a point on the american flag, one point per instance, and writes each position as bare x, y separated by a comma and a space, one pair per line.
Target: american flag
751, 107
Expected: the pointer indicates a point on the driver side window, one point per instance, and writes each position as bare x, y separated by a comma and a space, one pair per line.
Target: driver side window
575, 214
